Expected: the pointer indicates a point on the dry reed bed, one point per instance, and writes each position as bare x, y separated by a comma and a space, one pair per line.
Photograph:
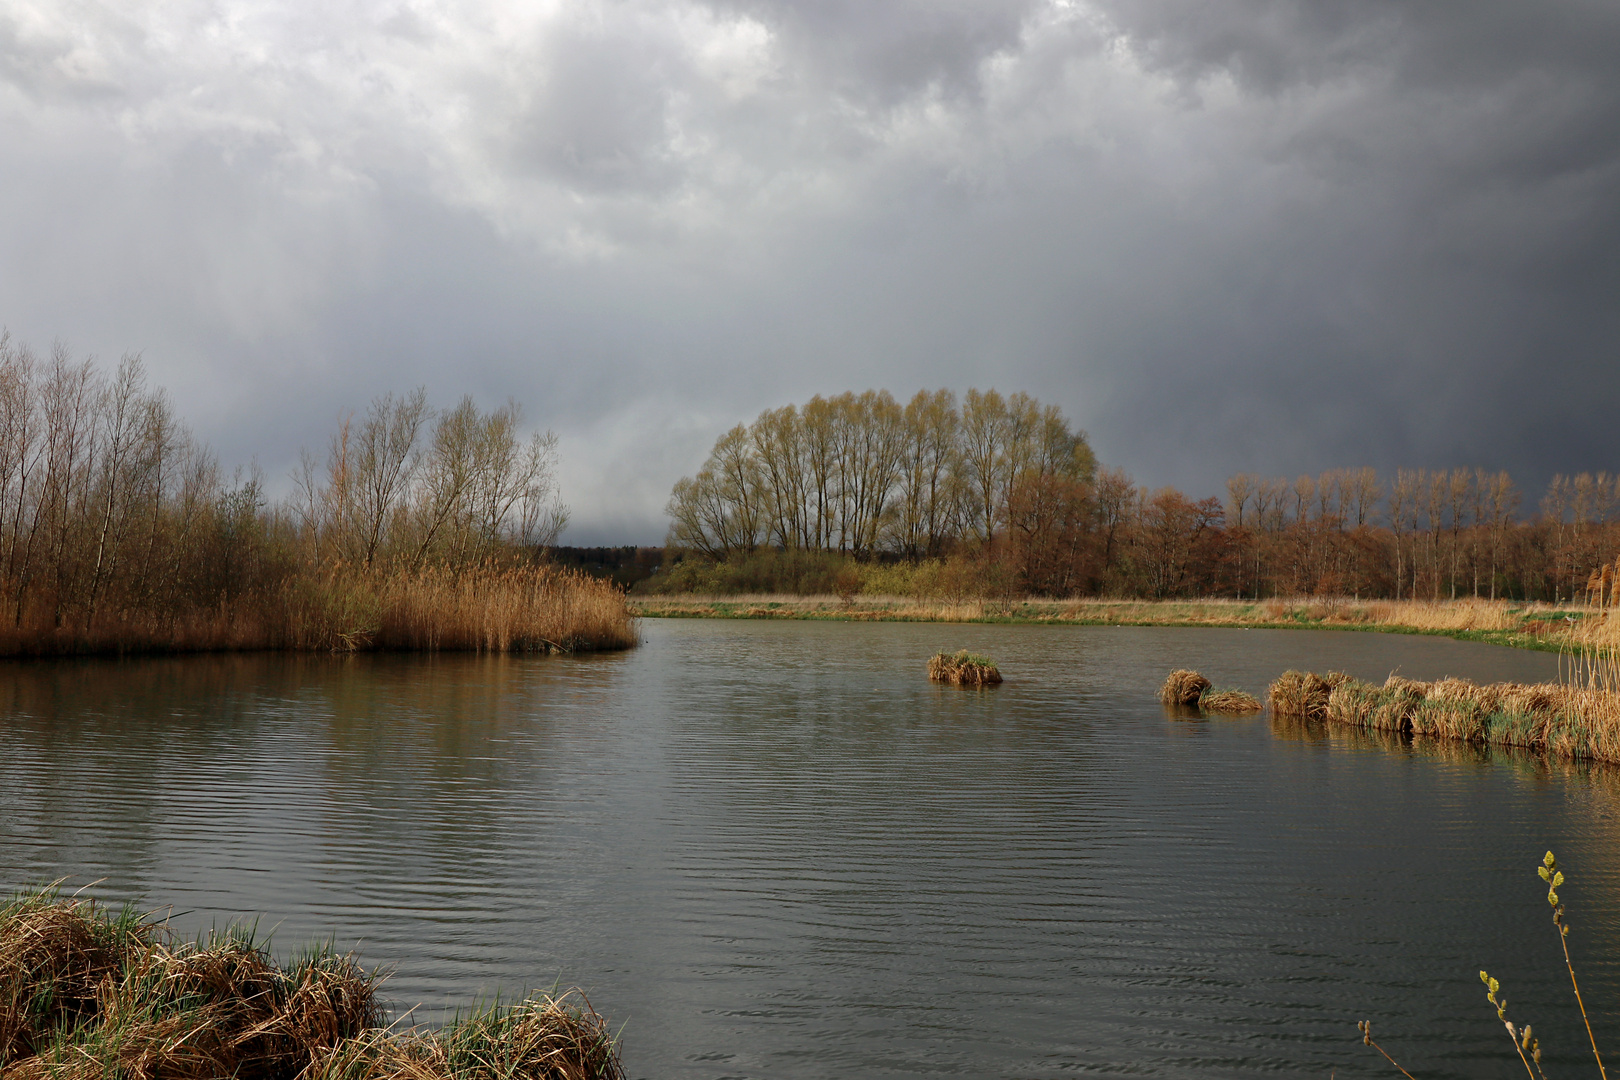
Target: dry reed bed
1188, 689
503, 611
1581, 722
963, 669
87, 993
481, 609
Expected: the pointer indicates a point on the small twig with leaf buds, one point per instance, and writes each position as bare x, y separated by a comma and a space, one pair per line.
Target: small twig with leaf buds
1554, 877
1491, 987
1365, 1027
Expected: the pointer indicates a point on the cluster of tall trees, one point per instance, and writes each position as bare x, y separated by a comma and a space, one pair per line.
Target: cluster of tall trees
862, 474
1417, 534
406, 486
1008, 483
110, 509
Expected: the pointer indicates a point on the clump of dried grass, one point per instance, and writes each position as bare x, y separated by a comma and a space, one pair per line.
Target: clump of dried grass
1303, 694
543, 1037
53, 957
1228, 701
1555, 718
88, 994
1187, 689
963, 669
1183, 687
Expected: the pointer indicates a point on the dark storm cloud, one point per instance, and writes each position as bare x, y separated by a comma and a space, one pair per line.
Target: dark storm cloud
1452, 300
1222, 236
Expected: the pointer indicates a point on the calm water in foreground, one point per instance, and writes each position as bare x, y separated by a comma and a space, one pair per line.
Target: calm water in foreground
776, 850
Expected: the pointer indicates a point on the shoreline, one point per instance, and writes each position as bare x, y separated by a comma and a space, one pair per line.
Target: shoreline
1512, 624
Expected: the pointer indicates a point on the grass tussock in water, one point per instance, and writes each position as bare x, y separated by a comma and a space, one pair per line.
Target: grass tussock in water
1187, 689
963, 669
1183, 687
88, 993
1569, 721
1229, 702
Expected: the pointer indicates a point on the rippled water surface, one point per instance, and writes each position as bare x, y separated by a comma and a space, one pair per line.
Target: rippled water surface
776, 850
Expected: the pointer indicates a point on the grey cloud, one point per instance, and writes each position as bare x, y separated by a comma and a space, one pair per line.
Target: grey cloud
885, 52
1221, 235
1271, 45
598, 116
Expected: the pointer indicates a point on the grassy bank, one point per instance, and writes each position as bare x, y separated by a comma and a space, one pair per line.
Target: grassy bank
87, 993
479, 609
1533, 626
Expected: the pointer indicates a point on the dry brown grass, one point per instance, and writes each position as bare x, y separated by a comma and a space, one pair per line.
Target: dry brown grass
515, 610
963, 669
543, 1038
53, 956
1186, 689
37, 634
1467, 616
1303, 694
1183, 687
1229, 702
480, 609
1446, 615
87, 994
1571, 721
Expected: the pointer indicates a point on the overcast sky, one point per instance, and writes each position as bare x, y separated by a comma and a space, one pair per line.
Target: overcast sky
1222, 235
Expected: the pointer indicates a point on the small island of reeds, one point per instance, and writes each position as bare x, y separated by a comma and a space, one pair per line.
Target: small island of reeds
1188, 689
92, 993
1564, 720
963, 669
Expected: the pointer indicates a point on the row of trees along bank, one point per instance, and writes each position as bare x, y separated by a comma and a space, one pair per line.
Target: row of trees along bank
120, 531
1006, 484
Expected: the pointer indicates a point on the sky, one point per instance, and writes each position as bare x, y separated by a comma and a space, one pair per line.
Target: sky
1222, 235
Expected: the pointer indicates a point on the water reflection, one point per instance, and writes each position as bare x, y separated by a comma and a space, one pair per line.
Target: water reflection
775, 849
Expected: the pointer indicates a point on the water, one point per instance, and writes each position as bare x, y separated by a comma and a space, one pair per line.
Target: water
776, 850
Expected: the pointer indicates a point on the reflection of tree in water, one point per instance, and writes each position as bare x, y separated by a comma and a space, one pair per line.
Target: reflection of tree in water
447, 761
1601, 776
1587, 791
108, 761
397, 801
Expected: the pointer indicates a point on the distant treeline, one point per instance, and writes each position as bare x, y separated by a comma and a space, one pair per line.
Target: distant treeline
1002, 491
417, 528
624, 566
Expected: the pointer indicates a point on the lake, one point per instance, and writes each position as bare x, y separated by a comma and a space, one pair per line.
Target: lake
774, 849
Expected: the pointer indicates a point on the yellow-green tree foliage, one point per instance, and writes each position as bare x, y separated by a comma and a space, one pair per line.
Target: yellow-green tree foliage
860, 474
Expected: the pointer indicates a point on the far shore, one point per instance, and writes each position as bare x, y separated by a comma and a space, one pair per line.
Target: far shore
1546, 627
